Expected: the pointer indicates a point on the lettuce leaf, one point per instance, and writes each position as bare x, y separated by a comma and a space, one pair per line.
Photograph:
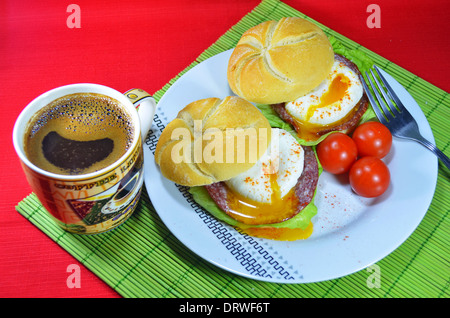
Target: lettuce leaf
358, 57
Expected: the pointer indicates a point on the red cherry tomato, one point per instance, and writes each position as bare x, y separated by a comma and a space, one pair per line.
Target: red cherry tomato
369, 177
372, 139
337, 152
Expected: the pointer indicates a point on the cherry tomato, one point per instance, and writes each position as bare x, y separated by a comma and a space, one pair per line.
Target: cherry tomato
372, 139
369, 177
337, 152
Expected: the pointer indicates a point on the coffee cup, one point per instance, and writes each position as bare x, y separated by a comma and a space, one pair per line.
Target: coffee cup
80, 147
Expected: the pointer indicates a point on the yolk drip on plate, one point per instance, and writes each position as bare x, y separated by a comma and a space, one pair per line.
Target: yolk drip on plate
252, 212
336, 92
280, 234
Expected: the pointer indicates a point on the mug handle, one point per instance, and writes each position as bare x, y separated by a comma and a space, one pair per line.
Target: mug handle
146, 107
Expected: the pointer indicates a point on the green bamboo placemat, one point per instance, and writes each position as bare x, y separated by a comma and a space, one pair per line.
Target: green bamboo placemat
142, 258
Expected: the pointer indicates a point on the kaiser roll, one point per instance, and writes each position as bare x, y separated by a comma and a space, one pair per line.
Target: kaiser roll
276, 62
212, 140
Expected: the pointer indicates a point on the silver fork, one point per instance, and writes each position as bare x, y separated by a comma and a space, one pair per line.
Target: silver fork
397, 119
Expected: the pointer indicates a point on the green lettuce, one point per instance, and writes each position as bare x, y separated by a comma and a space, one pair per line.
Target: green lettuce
358, 57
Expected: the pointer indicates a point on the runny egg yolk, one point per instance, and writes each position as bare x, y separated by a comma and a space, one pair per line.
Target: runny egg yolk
335, 93
252, 212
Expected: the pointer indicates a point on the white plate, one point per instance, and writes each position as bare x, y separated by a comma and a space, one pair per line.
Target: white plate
350, 232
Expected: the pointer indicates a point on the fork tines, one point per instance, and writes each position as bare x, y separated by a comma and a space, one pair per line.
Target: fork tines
389, 102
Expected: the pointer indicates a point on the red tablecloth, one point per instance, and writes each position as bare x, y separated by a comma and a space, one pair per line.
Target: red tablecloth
127, 44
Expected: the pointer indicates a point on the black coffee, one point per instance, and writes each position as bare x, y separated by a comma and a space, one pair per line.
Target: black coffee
78, 134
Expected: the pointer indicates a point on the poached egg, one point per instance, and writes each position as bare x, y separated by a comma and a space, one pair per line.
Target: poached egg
265, 193
329, 104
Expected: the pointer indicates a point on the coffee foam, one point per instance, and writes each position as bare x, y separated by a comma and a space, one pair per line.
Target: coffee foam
84, 114
80, 117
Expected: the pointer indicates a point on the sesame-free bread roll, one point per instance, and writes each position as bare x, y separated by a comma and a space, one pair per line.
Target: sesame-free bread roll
276, 62
212, 140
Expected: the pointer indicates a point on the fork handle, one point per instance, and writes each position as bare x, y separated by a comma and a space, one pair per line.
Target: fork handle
445, 160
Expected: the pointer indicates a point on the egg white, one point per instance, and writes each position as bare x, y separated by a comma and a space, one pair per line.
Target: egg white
284, 156
333, 112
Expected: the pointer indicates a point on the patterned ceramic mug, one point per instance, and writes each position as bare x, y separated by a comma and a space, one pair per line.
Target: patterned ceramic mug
98, 201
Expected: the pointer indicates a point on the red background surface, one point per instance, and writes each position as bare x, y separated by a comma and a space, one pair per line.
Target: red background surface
127, 44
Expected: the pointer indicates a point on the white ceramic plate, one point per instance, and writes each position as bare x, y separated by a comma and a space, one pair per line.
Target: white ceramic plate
350, 232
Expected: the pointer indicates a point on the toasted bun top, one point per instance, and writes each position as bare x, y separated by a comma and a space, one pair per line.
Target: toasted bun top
277, 62
212, 140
